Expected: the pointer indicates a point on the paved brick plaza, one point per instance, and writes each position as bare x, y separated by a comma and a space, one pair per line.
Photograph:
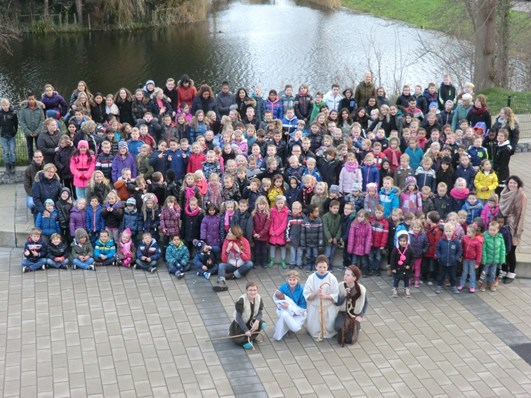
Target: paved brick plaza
116, 332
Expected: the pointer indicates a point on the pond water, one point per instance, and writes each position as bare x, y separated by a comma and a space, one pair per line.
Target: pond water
266, 43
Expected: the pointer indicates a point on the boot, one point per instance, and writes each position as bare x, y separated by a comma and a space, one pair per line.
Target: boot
271, 263
395, 292
13, 169
408, 294
8, 169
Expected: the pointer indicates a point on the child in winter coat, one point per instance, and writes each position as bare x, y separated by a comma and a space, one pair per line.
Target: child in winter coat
294, 192
57, 252
48, 220
434, 233
228, 209
244, 219
293, 235
360, 241
350, 176
349, 214
389, 196
276, 190
150, 217
170, 220
490, 210
411, 198
401, 263
369, 172
189, 190
192, 216
81, 251
64, 207
78, 216
448, 252
261, 223
147, 253
215, 191
418, 242
104, 250
312, 236
458, 195
493, 255
277, 229
380, 232
473, 208
34, 252
210, 227
472, 255
82, 165
332, 231
371, 200
205, 259
486, 181
126, 251
131, 219
94, 221
177, 257
321, 194
112, 214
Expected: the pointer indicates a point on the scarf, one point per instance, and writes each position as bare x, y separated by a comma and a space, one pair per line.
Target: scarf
350, 167
228, 216
214, 191
190, 212
478, 111
459, 194
125, 248
203, 186
507, 199
189, 192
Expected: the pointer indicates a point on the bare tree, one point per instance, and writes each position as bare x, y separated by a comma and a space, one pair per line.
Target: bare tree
79, 11
7, 35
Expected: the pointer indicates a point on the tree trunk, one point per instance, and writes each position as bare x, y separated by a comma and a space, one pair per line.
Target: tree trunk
502, 57
485, 45
79, 11
46, 10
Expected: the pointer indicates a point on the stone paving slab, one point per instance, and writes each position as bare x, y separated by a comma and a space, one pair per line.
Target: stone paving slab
116, 332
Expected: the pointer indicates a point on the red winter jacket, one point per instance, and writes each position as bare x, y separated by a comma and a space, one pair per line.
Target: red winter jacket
434, 234
380, 232
195, 162
472, 248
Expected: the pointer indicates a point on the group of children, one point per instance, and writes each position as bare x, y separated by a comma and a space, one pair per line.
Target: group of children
322, 189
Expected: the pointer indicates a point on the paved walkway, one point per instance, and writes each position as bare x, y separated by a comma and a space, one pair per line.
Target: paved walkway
116, 332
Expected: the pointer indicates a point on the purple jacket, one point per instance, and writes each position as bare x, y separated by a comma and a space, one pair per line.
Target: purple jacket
77, 220
210, 230
118, 164
55, 103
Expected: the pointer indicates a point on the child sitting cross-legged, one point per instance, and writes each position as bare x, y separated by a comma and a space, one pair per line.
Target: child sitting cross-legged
104, 250
34, 252
57, 252
177, 257
147, 253
205, 259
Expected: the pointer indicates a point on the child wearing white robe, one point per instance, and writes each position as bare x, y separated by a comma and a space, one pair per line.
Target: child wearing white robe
291, 306
321, 289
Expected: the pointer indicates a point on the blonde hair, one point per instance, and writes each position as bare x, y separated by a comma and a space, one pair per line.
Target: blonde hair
261, 200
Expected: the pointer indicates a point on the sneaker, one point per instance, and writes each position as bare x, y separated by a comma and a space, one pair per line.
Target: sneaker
74, 266
91, 267
271, 263
199, 273
430, 283
283, 264
438, 290
292, 266
482, 288
417, 284
220, 286
43, 267
248, 346
206, 275
472, 290
492, 288
408, 294
395, 292
179, 275
455, 290
25, 269
64, 266
153, 269
459, 288
134, 266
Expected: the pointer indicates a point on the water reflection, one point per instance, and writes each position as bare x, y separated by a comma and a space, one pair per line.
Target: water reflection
269, 43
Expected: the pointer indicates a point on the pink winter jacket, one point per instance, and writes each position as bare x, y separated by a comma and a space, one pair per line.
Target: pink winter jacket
277, 228
82, 169
360, 238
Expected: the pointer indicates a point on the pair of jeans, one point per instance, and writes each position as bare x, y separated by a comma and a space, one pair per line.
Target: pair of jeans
400, 277
295, 256
177, 267
145, 265
81, 193
83, 264
34, 265
8, 147
429, 269
238, 272
107, 261
375, 259
58, 264
330, 252
311, 256
361, 262
273, 252
260, 252
447, 270
30, 204
469, 268
490, 272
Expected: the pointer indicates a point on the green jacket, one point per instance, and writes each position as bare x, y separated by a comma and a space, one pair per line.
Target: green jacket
331, 226
31, 120
493, 249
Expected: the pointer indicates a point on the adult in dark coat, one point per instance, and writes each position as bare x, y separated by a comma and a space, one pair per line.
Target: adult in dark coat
46, 185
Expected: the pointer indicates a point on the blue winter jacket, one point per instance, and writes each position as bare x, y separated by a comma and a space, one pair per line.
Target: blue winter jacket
448, 252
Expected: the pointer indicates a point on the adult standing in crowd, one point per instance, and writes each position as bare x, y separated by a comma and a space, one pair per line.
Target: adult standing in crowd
31, 120
8, 131
46, 185
225, 100
513, 206
48, 141
29, 176
507, 120
479, 112
365, 90
461, 111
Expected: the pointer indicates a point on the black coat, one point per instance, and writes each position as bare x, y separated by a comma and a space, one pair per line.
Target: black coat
43, 189
8, 123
